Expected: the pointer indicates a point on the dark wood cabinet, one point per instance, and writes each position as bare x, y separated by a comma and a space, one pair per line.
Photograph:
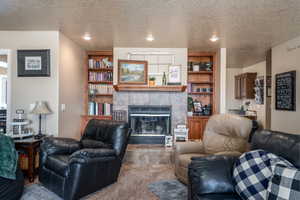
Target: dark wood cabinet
196, 126
244, 86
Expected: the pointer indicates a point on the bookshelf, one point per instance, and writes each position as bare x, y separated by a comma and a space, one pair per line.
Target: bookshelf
98, 94
201, 88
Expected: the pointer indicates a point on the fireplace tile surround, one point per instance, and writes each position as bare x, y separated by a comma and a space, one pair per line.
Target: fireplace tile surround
177, 100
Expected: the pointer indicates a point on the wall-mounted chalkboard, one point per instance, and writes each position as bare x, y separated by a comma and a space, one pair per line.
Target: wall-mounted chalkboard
285, 91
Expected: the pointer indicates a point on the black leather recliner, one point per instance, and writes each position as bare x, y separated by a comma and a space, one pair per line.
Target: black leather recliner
210, 178
73, 169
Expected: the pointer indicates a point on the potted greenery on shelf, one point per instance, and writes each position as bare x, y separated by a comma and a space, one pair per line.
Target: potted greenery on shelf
152, 81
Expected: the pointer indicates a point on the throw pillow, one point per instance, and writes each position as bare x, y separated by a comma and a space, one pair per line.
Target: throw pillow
284, 184
252, 173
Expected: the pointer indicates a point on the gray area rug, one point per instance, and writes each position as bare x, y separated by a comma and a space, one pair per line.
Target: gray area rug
38, 192
169, 190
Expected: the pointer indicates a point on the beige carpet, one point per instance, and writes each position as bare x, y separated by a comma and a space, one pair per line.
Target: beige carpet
143, 164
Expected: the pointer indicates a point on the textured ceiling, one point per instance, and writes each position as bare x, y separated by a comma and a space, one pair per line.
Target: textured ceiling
246, 27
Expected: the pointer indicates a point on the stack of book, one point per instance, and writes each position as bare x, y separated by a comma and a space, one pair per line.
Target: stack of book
100, 76
96, 108
100, 64
101, 89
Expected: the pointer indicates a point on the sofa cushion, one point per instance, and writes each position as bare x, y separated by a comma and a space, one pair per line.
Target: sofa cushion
58, 164
284, 184
252, 172
185, 159
94, 144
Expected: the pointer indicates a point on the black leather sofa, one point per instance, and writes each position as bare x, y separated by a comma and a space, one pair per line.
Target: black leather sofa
73, 169
12, 189
210, 178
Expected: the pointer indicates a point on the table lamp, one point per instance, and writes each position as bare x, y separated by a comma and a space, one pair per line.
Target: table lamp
40, 108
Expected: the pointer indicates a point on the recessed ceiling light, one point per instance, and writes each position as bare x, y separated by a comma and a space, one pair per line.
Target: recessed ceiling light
87, 37
214, 38
150, 38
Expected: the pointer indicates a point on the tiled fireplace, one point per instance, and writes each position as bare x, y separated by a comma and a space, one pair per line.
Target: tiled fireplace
172, 105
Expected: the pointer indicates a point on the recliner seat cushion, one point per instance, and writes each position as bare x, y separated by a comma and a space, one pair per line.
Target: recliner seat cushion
58, 164
185, 159
252, 173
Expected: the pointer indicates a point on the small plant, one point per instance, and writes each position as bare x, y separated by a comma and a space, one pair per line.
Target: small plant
152, 78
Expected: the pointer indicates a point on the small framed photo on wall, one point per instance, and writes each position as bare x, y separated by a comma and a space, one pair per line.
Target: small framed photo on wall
34, 63
174, 75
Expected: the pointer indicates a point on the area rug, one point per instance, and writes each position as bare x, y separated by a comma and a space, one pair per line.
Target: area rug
169, 190
38, 192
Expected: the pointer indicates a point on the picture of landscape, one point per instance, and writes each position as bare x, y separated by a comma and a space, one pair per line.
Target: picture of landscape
132, 72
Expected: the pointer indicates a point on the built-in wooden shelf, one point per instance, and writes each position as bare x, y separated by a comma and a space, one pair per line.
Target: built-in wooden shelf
166, 88
101, 82
199, 117
103, 117
103, 95
200, 72
201, 82
200, 93
101, 70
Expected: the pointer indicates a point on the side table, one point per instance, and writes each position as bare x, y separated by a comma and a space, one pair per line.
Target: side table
31, 147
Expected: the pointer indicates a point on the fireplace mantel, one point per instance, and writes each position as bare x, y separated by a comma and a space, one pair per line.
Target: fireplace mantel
146, 88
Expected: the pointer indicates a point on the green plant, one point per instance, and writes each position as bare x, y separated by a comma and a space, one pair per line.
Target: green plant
190, 104
152, 78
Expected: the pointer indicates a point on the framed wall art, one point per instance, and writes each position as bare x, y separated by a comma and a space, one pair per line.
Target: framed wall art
34, 63
174, 75
285, 91
132, 72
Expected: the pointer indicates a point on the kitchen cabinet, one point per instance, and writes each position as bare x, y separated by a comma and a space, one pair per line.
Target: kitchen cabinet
244, 86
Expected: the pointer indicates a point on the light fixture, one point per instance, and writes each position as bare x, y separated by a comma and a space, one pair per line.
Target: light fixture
150, 38
214, 38
87, 37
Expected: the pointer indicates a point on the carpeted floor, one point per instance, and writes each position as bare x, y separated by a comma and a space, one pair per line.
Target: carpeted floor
143, 164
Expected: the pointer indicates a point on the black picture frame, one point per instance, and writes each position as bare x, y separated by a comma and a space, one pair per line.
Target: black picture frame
34, 63
285, 91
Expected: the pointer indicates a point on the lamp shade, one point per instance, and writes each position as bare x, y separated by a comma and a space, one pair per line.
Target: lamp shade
41, 107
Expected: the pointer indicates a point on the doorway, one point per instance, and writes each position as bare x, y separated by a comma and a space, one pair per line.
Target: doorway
4, 112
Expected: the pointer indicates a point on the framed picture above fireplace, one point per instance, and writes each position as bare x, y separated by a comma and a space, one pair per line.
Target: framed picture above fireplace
132, 72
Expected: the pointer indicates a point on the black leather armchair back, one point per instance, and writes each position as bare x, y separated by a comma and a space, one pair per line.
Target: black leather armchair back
282, 144
110, 132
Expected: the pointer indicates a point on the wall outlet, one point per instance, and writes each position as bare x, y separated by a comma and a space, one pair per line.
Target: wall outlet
63, 107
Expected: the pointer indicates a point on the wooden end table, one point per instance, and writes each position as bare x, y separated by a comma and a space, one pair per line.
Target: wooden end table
31, 147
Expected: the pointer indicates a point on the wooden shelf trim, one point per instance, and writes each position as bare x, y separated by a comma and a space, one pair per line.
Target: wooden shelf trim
167, 88
201, 93
104, 117
201, 82
200, 72
101, 70
101, 82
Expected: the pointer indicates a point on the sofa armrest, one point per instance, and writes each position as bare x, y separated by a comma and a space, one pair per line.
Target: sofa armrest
205, 178
85, 155
189, 147
53, 145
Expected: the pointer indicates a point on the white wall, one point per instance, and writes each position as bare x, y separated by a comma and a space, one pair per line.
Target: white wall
157, 64
231, 102
27, 90
71, 87
222, 70
285, 57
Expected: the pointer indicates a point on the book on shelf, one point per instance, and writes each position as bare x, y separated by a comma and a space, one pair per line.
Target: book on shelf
100, 76
100, 64
100, 89
96, 108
